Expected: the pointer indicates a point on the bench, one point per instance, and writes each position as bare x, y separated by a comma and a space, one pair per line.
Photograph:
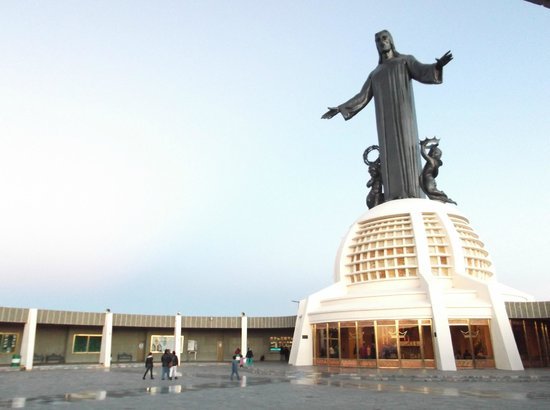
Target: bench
124, 357
38, 358
55, 358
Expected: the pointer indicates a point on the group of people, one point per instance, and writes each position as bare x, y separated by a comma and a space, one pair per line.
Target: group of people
240, 361
247, 359
169, 363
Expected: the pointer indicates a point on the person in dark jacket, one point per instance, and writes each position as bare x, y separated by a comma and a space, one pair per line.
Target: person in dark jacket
166, 360
174, 367
249, 357
149, 365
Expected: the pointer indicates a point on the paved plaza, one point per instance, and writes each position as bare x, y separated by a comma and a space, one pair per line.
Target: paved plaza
272, 386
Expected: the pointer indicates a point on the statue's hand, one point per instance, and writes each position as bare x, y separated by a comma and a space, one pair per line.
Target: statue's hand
444, 60
332, 111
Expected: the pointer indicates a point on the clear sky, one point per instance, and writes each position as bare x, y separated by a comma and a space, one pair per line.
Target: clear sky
169, 156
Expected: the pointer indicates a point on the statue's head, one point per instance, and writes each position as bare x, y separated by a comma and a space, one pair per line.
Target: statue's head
384, 43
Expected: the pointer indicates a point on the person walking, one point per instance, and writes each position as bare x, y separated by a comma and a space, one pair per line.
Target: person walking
249, 357
149, 365
235, 367
166, 361
174, 367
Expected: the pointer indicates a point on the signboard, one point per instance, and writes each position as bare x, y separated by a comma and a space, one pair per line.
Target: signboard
159, 343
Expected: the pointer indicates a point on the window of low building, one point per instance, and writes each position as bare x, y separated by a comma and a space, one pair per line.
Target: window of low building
8, 342
86, 343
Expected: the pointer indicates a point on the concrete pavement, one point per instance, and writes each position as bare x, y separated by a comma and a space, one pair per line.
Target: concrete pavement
272, 386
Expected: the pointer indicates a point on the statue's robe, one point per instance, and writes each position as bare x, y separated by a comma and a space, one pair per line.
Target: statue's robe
391, 86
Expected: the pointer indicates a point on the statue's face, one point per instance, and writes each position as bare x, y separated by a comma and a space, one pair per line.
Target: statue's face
383, 41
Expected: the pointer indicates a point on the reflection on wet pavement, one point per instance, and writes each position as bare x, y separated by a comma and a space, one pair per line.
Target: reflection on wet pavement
422, 389
21, 402
316, 379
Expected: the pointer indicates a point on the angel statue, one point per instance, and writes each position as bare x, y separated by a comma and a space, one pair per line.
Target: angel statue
429, 149
375, 195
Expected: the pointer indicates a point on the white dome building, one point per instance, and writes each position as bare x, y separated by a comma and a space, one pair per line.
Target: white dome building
413, 287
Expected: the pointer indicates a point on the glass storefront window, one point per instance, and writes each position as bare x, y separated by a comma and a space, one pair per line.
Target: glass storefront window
398, 343
348, 340
519, 336
471, 340
461, 345
427, 342
387, 340
321, 343
409, 340
333, 341
367, 345
533, 341
481, 339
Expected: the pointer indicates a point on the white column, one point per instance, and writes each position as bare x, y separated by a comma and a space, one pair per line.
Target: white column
244, 334
29, 337
504, 345
442, 342
106, 340
177, 336
301, 353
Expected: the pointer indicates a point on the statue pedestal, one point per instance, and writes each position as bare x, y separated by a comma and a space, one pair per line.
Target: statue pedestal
416, 266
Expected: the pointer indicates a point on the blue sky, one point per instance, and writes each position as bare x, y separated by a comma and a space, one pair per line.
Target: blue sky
169, 156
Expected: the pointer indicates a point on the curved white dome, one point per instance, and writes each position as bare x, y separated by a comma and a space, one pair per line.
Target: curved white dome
409, 238
412, 259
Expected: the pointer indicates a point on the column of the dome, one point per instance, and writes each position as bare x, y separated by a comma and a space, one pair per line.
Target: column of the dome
301, 353
504, 346
443, 347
